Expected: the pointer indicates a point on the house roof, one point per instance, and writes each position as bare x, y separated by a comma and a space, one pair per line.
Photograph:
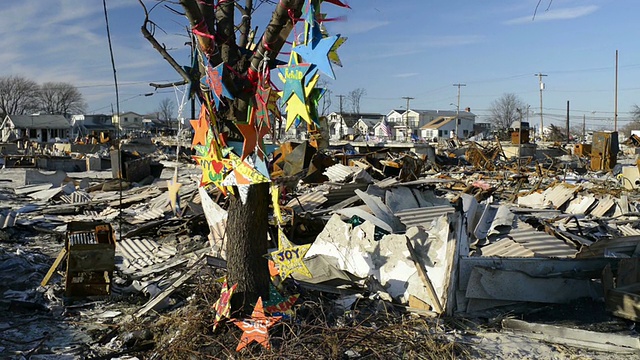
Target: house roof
370, 122
438, 122
39, 121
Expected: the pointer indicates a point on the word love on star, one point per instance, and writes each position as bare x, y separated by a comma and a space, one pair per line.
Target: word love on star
288, 257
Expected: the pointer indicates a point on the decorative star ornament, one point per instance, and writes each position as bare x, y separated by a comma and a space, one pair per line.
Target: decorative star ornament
256, 328
288, 257
201, 128
293, 77
249, 133
300, 108
214, 168
173, 187
214, 81
278, 305
319, 54
333, 53
222, 307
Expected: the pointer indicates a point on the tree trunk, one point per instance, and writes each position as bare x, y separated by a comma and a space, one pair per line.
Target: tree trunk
247, 247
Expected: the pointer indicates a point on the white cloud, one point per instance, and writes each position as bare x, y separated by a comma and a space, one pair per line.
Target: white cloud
406, 75
555, 14
358, 26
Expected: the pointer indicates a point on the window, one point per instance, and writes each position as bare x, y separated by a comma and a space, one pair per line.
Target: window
126, 119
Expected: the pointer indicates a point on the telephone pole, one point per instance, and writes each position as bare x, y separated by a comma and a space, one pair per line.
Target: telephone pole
407, 120
341, 117
458, 108
540, 75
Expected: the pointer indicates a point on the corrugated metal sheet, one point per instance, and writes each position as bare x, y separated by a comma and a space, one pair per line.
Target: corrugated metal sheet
505, 248
608, 247
580, 205
541, 243
8, 219
340, 173
628, 230
423, 216
140, 253
559, 194
76, 197
307, 202
603, 206
338, 193
147, 215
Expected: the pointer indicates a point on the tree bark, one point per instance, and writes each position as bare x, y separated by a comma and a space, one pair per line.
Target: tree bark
247, 247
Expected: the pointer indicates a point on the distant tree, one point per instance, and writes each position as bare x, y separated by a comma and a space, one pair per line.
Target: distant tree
165, 111
557, 133
325, 102
354, 98
60, 98
504, 111
635, 123
18, 95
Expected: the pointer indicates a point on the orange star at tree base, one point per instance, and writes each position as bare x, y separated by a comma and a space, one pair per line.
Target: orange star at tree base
257, 327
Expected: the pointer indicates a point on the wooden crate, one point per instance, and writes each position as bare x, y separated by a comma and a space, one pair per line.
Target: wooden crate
90, 259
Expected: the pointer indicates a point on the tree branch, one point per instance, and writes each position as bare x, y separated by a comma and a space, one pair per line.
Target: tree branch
276, 33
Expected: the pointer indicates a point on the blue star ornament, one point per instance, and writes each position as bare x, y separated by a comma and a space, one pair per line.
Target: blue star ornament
318, 54
293, 77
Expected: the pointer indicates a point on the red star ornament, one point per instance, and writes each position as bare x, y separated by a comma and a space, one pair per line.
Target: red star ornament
257, 327
222, 307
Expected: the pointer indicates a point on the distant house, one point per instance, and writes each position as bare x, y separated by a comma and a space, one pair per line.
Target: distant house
85, 125
416, 120
343, 124
444, 127
365, 126
40, 128
129, 122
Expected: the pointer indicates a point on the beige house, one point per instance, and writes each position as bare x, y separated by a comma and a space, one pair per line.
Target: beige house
129, 122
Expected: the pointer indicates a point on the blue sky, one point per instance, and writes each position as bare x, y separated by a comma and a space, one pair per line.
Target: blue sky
394, 49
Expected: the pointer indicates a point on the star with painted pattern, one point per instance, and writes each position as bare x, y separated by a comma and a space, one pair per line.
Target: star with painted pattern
222, 307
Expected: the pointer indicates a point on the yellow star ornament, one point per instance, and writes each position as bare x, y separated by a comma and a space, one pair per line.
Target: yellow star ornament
295, 107
288, 257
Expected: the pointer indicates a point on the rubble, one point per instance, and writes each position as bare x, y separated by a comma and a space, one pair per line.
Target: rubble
396, 239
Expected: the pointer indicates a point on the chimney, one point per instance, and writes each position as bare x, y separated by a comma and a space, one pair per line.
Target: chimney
467, 109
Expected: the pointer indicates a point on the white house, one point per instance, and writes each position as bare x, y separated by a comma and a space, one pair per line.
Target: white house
343, 124
444, 127
40, 128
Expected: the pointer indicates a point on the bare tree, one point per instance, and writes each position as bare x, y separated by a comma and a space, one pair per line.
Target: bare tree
60, 98
325, 102
635, 123
505, 111
214, 28
18, 95
165, 111
354, 98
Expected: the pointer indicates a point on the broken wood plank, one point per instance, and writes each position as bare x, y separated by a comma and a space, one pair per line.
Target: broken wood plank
380, 210
574, 337
171, 288
61, 255
425, 278
624, 302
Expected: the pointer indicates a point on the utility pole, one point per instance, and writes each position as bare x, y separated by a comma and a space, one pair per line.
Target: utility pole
615, 111
540, 75
568, 132
341, 117
407, 138
458, 107
584, 133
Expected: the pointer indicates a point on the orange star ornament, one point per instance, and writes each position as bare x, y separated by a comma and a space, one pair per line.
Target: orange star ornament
257, 327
